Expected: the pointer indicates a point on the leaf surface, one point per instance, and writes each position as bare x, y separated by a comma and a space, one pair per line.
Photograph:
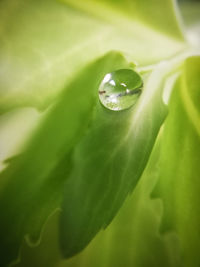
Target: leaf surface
44, 44
178, 185
32, 184
108, 162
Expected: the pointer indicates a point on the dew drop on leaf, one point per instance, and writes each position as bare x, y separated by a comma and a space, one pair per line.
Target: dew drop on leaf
120, 89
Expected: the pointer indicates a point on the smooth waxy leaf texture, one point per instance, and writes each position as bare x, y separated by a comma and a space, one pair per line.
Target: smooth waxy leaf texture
44, 43
108, 163
178, 185
133, 238
32, 183
150, 14
81, 155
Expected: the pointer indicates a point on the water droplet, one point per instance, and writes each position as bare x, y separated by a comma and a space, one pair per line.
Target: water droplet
120, 89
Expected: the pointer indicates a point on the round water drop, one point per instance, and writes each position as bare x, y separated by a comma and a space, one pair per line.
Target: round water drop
120, 89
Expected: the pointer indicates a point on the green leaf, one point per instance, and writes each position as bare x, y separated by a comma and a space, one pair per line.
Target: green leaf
191, 13
32, 184
45, 43
178, 185
150, 14
45, 50
108, 162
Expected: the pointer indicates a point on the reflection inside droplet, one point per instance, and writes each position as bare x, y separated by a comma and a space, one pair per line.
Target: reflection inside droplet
120, 89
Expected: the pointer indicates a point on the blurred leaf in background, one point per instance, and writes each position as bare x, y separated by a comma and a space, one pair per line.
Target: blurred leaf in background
68, 163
